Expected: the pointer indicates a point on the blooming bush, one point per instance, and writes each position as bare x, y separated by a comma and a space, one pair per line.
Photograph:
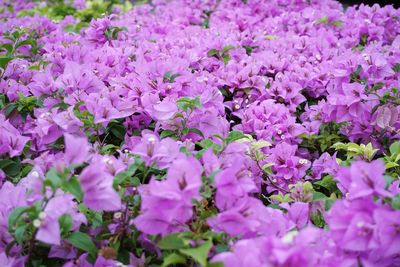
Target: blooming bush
199, 133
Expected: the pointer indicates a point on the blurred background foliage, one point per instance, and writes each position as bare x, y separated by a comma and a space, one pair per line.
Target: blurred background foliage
59, 9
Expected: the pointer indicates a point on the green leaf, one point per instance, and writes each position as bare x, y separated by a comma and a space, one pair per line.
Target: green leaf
53, 179
5, 163
123, 176
206, 143
395, 148
318, 219
11, 167
323, 20
389, 180
328, 203
185, 103
8, 47
95, 218
73, 186
173, 241
396, 202
234, 135
282, 198
10, 108
167, 133
4, 61
173, 77
328, 183
216, 264
260, 144
337, 23
3, 101
167, 75
118, 131
221, 248
14, 216
227, 48
17, 33
185, 131
61, 105
212, 52
199, 253
276, 206
65, 222
172, 259
196, 131
82, 241
30, 42
396, 67
226, 59
389, 165
318, 196
20, 233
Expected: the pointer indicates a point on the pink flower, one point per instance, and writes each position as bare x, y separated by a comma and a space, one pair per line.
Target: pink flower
97, 186
76, 149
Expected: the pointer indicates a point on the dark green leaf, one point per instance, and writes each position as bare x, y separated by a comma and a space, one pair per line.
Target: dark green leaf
4, 163
8, 47
318, 196
221, 248
73, 186
396, 202
196, 131
206, 143
200, 253
123, 176
11, 167
328, 183
215, 264
173, 241
118, 131
14, 216
30, 42
53, 179
167, 133
10, 108
328, 203
66, 223
20, 233
167, 76
4, 61
173, 258
396, 67
234, 135
173, 77
82, 241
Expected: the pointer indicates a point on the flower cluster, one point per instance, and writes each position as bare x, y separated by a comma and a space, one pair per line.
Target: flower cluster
199, 133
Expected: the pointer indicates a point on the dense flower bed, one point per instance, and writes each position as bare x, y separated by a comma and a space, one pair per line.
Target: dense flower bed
199, 133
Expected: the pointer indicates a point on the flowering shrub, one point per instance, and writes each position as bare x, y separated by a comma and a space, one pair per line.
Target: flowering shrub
199, 133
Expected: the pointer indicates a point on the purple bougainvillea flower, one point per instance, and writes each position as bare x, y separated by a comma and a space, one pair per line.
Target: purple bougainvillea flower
153, 150
160, 110
11, 141
293, 76
363, 179
8, 261
76, 149
97, 186
49, 228
172, 197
